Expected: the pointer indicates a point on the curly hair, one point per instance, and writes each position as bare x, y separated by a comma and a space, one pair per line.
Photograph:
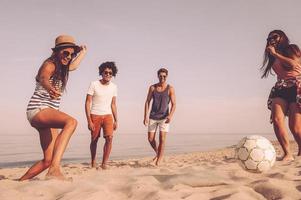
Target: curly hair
109, 65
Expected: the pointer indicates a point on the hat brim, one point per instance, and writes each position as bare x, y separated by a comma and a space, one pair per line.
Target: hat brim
64, 46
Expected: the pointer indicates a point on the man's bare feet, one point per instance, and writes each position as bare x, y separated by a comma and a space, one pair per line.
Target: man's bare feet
93, 164
158, 162
155, 158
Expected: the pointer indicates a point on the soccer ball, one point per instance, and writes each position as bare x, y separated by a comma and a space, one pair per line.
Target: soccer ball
255, 153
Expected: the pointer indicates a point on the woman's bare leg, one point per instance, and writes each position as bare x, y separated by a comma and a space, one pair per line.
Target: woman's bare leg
279, 108
55, 119
295, 124
47, 140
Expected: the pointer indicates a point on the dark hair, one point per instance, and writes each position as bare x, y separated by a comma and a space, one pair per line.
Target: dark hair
162, 70
109, 65
292, 50
61, 72
268, 59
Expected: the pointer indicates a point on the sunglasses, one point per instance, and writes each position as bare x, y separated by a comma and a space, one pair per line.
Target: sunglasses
162, 76
274, 37
67, 53
108, 73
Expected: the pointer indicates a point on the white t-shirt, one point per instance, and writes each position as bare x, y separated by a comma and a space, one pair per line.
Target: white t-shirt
102, 97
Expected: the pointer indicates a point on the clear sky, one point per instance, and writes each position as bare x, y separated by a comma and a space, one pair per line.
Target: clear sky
213, 50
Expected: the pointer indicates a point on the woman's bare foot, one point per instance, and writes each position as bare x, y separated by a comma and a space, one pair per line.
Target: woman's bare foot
54, 173
287, 157
93, 164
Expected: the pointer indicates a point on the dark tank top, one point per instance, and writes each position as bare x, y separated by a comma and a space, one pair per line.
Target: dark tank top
160, 106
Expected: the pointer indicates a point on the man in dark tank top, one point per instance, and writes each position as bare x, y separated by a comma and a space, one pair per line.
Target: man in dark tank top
162, 95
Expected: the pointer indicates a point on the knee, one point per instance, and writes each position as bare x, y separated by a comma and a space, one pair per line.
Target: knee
109, 139
277, 121
71, 122
151, 139
94, 140
162, 139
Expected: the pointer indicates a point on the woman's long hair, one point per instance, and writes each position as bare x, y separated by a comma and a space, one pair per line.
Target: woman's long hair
268, 59
61, 72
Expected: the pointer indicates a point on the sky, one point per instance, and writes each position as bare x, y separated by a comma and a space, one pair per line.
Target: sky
213, 50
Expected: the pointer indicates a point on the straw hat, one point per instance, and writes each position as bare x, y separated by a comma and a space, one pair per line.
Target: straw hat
65, 41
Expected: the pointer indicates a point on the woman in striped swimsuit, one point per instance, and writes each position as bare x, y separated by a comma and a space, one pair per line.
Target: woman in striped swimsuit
285, 97
43, 108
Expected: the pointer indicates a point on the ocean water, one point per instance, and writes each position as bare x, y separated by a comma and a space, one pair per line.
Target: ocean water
24, 149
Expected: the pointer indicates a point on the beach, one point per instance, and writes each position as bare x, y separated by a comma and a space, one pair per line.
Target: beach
211, 175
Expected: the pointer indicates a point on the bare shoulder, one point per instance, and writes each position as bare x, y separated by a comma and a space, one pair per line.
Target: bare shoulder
152, 87
48, 65
171, 88
47, 68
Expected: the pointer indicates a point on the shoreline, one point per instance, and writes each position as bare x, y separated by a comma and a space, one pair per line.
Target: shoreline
78, 160
191, 176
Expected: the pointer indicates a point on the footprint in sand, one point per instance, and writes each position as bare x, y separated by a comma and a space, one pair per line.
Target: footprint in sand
221, 197
298, 188
276, 175
2, 177
268, 191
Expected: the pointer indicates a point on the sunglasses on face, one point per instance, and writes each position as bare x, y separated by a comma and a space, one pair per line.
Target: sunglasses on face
273, 37
67, 53
108, 73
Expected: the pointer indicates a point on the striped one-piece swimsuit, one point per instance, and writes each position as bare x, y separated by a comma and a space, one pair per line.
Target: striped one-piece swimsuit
41, 98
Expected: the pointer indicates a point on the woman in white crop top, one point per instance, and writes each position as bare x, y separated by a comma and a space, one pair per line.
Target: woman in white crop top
283, 59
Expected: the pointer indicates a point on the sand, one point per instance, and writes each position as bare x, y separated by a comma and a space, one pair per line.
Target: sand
211, 175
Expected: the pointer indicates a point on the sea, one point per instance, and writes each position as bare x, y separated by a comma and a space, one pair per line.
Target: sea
19, 150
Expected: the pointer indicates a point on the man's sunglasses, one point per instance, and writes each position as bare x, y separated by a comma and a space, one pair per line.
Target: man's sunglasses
108, 73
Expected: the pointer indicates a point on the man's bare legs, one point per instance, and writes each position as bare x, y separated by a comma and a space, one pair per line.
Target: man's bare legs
106, 151
161, 147
279, 108
153, 143
93, 148
53, 144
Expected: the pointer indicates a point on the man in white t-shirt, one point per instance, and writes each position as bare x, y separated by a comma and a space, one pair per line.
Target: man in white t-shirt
103, 112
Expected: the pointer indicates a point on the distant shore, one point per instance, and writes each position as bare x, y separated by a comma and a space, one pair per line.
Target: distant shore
199, 175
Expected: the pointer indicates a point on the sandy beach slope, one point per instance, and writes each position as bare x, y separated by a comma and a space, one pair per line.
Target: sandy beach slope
211, 175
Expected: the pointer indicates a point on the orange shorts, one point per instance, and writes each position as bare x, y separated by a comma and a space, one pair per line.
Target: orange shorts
102, 121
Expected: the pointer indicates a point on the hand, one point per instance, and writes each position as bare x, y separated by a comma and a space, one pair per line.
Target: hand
271, 49
145, 122
115, 126
53, 93
168, 119
83, 49
91, 126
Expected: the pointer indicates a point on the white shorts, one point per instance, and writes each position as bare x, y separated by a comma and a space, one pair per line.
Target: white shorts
31, 113
154, 124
